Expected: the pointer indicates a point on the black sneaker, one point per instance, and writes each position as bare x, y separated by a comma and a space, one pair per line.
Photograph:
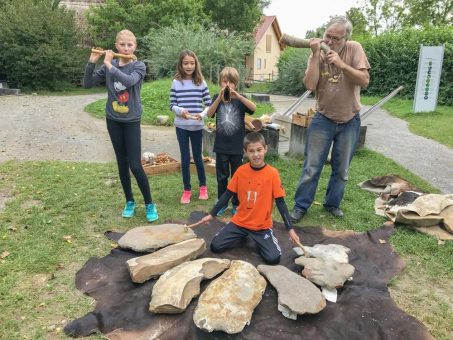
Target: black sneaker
337, 212
297, 214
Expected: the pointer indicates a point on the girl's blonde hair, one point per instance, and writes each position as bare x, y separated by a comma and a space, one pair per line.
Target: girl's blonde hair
126, 34
230, 74
197, 76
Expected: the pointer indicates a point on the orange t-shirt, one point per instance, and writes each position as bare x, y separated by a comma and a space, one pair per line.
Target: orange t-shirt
256, 191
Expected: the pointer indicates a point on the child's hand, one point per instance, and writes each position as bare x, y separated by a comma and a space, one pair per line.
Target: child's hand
94, 57
233, 94
196, 117
221, 95
108, 58
293, 236
185, 114
207, 219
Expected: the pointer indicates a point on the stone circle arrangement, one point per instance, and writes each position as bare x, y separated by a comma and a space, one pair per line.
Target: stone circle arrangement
228, 302
164, 282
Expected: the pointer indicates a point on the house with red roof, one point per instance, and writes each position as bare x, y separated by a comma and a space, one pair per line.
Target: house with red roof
261, 65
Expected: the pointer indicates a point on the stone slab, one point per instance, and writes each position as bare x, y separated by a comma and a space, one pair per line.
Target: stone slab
152, 237
174, 290
153, 265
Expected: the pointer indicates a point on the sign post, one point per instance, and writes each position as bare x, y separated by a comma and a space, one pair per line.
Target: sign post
428, 78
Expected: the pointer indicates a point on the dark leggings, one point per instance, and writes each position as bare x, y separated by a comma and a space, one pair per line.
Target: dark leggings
226, 166
195, 138
126, 141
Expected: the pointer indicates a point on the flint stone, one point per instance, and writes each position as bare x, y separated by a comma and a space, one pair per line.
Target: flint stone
151, 238
296, 295
149, 266
174, 290
328, 252
228, 302
330, 274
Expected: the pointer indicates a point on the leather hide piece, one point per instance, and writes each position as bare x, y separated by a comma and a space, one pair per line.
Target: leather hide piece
364, 308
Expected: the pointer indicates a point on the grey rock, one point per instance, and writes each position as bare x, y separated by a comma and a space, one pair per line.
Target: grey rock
153, 237
153, 265
174, 290
328, 252
228, 302
330, 274
296, 295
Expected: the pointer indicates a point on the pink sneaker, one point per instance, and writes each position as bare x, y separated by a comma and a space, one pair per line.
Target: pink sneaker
203, 193
185, 198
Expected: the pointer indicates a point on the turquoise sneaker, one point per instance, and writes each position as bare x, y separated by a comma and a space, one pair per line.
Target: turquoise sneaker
234, 210
151, 212
222, 211
129, 209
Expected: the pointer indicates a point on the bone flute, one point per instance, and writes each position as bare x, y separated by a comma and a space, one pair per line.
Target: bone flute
116, 55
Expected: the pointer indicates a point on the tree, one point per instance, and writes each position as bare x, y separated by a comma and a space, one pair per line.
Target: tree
139, 16
291, 71
393, 15
372, 10
214, 48
436, 13
241, 16
39, 42
317, 33
359, 23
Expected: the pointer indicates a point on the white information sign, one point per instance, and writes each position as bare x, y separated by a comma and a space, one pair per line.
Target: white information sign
428, 78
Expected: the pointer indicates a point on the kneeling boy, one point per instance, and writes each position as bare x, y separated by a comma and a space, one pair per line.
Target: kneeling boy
256, 185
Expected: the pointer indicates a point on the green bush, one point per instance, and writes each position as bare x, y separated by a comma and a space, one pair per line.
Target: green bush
291, 70
107, 19
214, 48
39, 45
394, 61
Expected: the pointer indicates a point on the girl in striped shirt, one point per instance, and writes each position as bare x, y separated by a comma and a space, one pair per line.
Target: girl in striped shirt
189, 99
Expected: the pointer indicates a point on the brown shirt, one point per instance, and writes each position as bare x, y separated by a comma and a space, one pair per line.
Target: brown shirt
337, 97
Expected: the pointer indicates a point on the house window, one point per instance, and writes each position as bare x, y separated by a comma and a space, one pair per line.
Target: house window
258, 64
268, 43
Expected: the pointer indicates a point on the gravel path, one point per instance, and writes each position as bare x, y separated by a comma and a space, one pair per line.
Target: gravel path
424, 157
391, 137
57, 128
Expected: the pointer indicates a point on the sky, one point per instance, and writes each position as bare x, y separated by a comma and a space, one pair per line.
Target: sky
295, 17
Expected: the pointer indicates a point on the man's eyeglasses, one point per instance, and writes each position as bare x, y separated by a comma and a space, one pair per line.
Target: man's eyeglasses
334, 39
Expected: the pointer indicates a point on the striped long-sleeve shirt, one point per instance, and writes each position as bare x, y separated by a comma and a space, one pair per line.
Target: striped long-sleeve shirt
193, 98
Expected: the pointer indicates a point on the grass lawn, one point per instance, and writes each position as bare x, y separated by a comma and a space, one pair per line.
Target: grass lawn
155, 101
56, 213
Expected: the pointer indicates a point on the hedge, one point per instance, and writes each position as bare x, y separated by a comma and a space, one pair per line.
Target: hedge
394, 61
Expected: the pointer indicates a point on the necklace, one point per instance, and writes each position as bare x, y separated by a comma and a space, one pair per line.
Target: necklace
335, 78
332, 72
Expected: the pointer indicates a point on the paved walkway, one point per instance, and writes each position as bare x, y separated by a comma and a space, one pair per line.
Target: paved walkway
391, 137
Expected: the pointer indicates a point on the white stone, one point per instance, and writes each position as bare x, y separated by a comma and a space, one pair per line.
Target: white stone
335, 252
330, 274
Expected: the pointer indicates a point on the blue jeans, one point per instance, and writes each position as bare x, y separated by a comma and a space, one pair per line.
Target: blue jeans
321, 133
196, 141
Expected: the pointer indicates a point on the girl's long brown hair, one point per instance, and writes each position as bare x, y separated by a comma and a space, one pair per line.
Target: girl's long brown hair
197, 76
